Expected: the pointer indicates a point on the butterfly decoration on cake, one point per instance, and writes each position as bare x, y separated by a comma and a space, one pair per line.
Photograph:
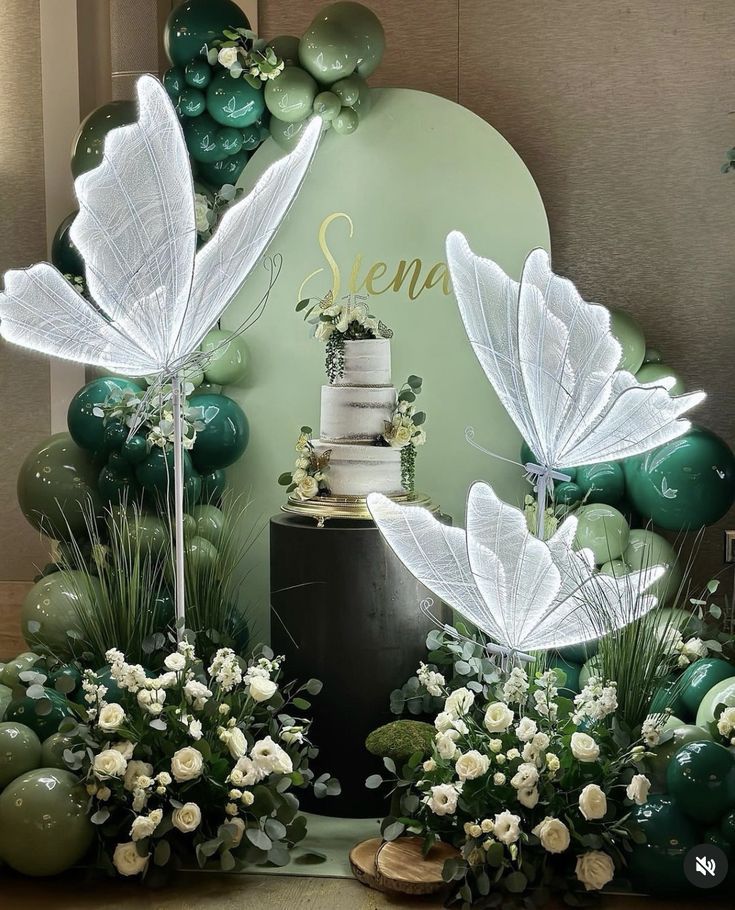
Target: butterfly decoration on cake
553, 362
525, 594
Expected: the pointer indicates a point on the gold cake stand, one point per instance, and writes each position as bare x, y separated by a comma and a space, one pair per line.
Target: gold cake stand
322, 508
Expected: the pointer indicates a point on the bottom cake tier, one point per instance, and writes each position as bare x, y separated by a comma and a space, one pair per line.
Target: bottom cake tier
357, 470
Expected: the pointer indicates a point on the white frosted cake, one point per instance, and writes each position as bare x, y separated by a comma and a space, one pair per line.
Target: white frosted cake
354, 412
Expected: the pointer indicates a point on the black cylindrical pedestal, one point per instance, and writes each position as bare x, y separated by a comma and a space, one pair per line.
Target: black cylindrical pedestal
346, 611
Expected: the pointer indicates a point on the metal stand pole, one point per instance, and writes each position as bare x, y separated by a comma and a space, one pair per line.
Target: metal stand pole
180, 589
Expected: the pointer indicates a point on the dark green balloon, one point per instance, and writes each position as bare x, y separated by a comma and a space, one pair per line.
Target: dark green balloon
657, 866
234, 102
88, 430
727, 827
198, 74
657, 766
57, 484
195, 23
89, 142
20, 751
683, 484
44, 827
581, 653
156, 473
571, 671
64, 255
700, 677
701, 778
191, 102
253, 136
134, 449
66, 679
229, 140
200, 135
226, 171
174, 81
225, 435
213, 486
291, 96
162, 610
115, 485
567, 492
103, 677
42, 715
114, 436
668, 695
603, 482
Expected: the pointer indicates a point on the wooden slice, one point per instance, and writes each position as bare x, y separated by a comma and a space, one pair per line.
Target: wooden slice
400, 866
362, 862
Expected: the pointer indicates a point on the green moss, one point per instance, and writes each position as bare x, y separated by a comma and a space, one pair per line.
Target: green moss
400, 739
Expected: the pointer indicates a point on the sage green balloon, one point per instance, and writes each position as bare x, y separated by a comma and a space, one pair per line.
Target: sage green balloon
616, 568
346, 121
52, 608
327, 105
88, 145
228, 357
234, 102
631, 339
57, 487
53, 748
291, 96
200, 556
20, 751
286, 135
348, 90
722, 693
657, 372
10, 674
361, 26
6, 696
44, 828
210, 523
647, 549
193, 24
327, 52
287, 48
603, 530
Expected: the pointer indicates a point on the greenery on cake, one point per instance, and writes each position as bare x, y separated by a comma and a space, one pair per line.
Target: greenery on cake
405, 429
309, 477
336, 323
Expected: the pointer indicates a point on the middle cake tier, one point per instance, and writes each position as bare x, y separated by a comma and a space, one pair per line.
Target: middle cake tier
355, 413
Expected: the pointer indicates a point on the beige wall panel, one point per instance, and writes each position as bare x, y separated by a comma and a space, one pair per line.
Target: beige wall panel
620, 111
421, 45
24, 378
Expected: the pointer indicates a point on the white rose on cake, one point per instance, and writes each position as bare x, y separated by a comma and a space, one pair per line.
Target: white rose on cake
128, 861
594, 870
323, 330
308, 488
399, 437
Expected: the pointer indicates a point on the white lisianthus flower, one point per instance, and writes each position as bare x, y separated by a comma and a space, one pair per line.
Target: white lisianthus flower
145, 825
109, 763
471, 765
227, 56
246, 773
498, 717
235, 741
111, 717
269, 756
261, 689
186, 764
638, 788
529, 797
239, 829
195, 729
553, 834
291, 734
526, 729
125, 748
594, 870
175, 661
444, 721
186, 818
323, 330
552, 763
499, 779
526, 776
584, 748
443, 799
512, 754
592, 802
446, 744
196, 694
507, 827
127, 861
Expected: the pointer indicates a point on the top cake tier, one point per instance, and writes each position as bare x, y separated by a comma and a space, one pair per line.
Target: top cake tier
366, 363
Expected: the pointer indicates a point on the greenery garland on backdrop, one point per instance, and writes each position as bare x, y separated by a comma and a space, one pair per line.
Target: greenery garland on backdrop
169, 746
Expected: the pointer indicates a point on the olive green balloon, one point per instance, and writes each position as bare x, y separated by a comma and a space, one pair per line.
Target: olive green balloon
10, 674
287, 48
291, 96
57, 486
86, 428
602, 482
346, 122
722, 693
64, 255
228, 357
603, 530
200, 556
53, 748
286, 135
652, 356
234, 102
194, 23
327, 105
327, 52
42, 715
631, 339
6, 696
362, 27
89, 142
53, 607
657, 372
44, 828
647, 549
20, 751
210, 523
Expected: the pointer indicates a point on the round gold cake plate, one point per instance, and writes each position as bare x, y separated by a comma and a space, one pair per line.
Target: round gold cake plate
322, 508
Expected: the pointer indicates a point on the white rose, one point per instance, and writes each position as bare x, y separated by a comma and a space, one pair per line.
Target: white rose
498, 717
528, 798
499, 779
262, 689
186, 818
135, 770
429, 765
109, 763
459, 702
111, 717
400, 437
145, 825
726, 721
443, 799
201, 210
526, 776
471, 765
592, 803
175, 661
444, 721
552, 763
446, 744
239, 829
127, 861
594, 869
553, 834
323, 330
526, 729
248, 798
269, 756
125, 748
298, 475
507, 827
638, 788
584, 748
186, 764
227, 56
236, 742
308, 488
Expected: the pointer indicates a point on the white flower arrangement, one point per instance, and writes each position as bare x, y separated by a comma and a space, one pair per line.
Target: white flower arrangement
310, 476
194, 766
246, 56
405, 430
